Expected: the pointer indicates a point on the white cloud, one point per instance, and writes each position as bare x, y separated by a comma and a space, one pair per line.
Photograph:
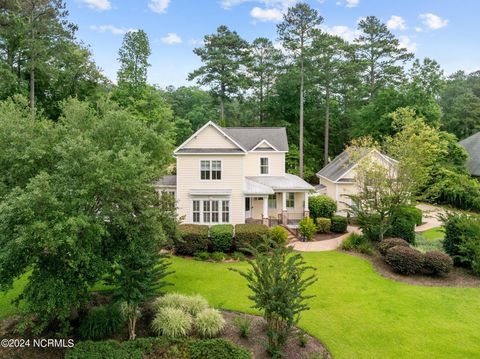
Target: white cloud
352, 3
418, 29
397, 23
266, 14
196, 42
433, 21
171, 39
406, 43
278, 4
100, 5
111, 28
159, 6
342, 31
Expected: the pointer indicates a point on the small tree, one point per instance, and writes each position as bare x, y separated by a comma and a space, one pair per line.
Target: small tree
278, 281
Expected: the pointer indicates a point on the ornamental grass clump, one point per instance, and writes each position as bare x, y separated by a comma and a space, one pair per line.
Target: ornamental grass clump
209, 323
172, 322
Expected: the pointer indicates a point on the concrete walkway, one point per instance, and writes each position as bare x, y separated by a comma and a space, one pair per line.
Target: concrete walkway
430, 219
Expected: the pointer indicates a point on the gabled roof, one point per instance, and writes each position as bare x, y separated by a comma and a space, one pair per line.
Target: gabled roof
342, 164
472, 145
250, 137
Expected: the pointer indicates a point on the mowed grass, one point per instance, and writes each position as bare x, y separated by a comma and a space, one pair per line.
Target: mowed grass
356, 313
434, 233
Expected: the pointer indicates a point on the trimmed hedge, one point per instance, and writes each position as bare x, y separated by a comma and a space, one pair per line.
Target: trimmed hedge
321, 206
142, 347
437, 263
193, 239
388, 243
249, 234
221, 236
323, 225
339, 224
404, 260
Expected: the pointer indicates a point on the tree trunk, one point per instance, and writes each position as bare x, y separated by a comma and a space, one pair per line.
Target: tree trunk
222, 112
327, 126
32, 90
300, 147
32, 66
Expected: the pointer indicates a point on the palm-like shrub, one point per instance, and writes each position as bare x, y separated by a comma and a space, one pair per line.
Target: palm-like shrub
172, 322
209, 323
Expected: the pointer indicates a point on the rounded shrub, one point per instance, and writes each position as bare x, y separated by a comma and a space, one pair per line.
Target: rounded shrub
190, 304
437, 263
323, 225
404, 228
172, 322
404, 260
101, 321
388, 243
307, 228
321, 206
279, 235
193, 239
249, 235
339, 224
221, 237
202, 256
218, 256
209, 323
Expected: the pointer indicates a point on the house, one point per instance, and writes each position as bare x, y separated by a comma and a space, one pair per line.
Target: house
472, 145
235, 175
337, 179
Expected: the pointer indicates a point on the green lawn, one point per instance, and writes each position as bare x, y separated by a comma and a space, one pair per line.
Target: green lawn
434, 233
430, 240
357, 313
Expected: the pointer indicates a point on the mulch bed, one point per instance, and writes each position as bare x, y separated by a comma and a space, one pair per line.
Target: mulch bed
254, 343
458, 277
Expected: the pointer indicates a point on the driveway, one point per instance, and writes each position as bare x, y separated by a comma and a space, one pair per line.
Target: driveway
430, 217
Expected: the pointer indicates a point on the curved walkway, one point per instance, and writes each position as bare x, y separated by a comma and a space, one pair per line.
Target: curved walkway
430, 220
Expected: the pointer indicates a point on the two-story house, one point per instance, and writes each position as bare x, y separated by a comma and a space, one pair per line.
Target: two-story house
236, 175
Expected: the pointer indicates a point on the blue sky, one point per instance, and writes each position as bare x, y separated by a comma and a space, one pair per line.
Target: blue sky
445, 30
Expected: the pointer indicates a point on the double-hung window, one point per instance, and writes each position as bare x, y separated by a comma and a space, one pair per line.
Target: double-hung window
290, 200
210, 170
196, 211
225, 211
215, 216
264, 166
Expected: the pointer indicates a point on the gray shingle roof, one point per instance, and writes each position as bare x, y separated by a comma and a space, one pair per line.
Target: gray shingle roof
209, 150
472, 145
249, 137
170, 180
337, 168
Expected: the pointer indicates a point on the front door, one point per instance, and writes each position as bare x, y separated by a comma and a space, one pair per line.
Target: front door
248, 207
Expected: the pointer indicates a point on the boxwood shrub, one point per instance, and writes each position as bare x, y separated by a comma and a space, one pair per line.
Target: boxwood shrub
221, 237
404, 260
339, 224
388, 243
321, 206
437, 263
249, 234
323, 225
193, 239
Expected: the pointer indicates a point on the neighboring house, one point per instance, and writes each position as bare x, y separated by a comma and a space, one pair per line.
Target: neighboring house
236, 175
337, 179
472, 145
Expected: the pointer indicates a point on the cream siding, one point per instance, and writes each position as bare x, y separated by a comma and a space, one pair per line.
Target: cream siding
276, 163
188, 178
210, 137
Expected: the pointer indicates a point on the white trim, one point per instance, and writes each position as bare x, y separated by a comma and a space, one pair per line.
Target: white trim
385, 157
213, 154
218, 128
264, 141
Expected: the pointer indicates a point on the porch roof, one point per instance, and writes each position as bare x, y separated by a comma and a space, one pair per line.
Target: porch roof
255, 188
287, 182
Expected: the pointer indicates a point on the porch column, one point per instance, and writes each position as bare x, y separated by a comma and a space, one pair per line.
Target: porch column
265, 211
306, 212
284, 208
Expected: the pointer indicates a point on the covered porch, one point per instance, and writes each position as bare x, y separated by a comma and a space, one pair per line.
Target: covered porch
273, 200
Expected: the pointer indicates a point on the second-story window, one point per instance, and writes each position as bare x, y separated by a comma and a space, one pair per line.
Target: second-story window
210, 170
264, 165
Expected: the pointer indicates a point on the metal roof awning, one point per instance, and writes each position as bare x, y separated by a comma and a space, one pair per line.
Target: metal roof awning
210, 192
287, 182
256, 189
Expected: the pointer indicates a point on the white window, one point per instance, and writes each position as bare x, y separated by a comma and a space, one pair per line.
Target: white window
210, 211
196, 211
290, 200
206, 212
264, 165
215, 217
225, 211
210, 170
272, 201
